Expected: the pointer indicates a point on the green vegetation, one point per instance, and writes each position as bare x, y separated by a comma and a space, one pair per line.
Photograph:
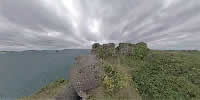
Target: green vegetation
117, 83
165, 75
113, 80
52, 85
168, 75
48, 92
140, 51
101, 53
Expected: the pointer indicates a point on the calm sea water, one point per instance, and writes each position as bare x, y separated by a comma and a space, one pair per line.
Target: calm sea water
23, 73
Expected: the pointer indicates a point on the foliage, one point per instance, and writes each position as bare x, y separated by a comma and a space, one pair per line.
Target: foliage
52, 85
104, 53
101, 53
168, 76
48, 91
113, 80
140, 51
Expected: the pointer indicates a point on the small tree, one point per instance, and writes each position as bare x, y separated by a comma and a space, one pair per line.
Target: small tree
140, 51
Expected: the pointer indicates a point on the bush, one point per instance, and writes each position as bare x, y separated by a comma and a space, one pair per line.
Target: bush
140, 51
113, 80
166, 77
101, 53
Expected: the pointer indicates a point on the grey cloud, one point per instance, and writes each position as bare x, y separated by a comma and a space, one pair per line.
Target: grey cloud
43, 24
30, 14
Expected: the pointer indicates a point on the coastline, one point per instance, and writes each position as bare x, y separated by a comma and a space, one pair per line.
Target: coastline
141, 74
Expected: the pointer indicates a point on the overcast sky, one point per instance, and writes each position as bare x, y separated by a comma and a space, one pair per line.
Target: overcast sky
59, 24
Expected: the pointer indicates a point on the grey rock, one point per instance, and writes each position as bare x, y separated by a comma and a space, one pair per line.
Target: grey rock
109, 45
85, 74
69, 93
125, 49
109, 49
95, 48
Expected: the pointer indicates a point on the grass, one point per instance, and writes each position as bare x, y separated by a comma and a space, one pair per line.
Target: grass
113, 80
47, 92
167, 75
117, 83
171, 75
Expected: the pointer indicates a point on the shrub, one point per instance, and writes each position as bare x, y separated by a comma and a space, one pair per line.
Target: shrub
113, 80
166, 77
101, 53
140, 51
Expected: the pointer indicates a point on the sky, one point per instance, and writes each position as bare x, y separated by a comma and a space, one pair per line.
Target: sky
77, 24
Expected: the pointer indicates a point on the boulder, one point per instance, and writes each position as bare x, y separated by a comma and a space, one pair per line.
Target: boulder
96, 48
109, 49
85, 75
69, 93
109, 45
96, 45
125, 49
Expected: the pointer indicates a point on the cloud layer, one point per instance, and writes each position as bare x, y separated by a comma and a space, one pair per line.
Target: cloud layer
59, 24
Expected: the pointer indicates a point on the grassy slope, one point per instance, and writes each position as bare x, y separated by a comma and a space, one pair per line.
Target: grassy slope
168, 75
118, 86
48, 92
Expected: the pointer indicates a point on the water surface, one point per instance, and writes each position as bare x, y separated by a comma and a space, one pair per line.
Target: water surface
23, 73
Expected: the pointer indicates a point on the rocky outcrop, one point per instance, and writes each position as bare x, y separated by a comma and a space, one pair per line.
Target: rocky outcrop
85, 75
69, 93
95, 48
110, 50
103, 50
125, 49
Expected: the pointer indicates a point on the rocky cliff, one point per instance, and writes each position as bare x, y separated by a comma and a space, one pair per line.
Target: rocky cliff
124, 49
84, 76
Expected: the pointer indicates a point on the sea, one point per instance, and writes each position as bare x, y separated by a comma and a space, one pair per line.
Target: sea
24, 73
